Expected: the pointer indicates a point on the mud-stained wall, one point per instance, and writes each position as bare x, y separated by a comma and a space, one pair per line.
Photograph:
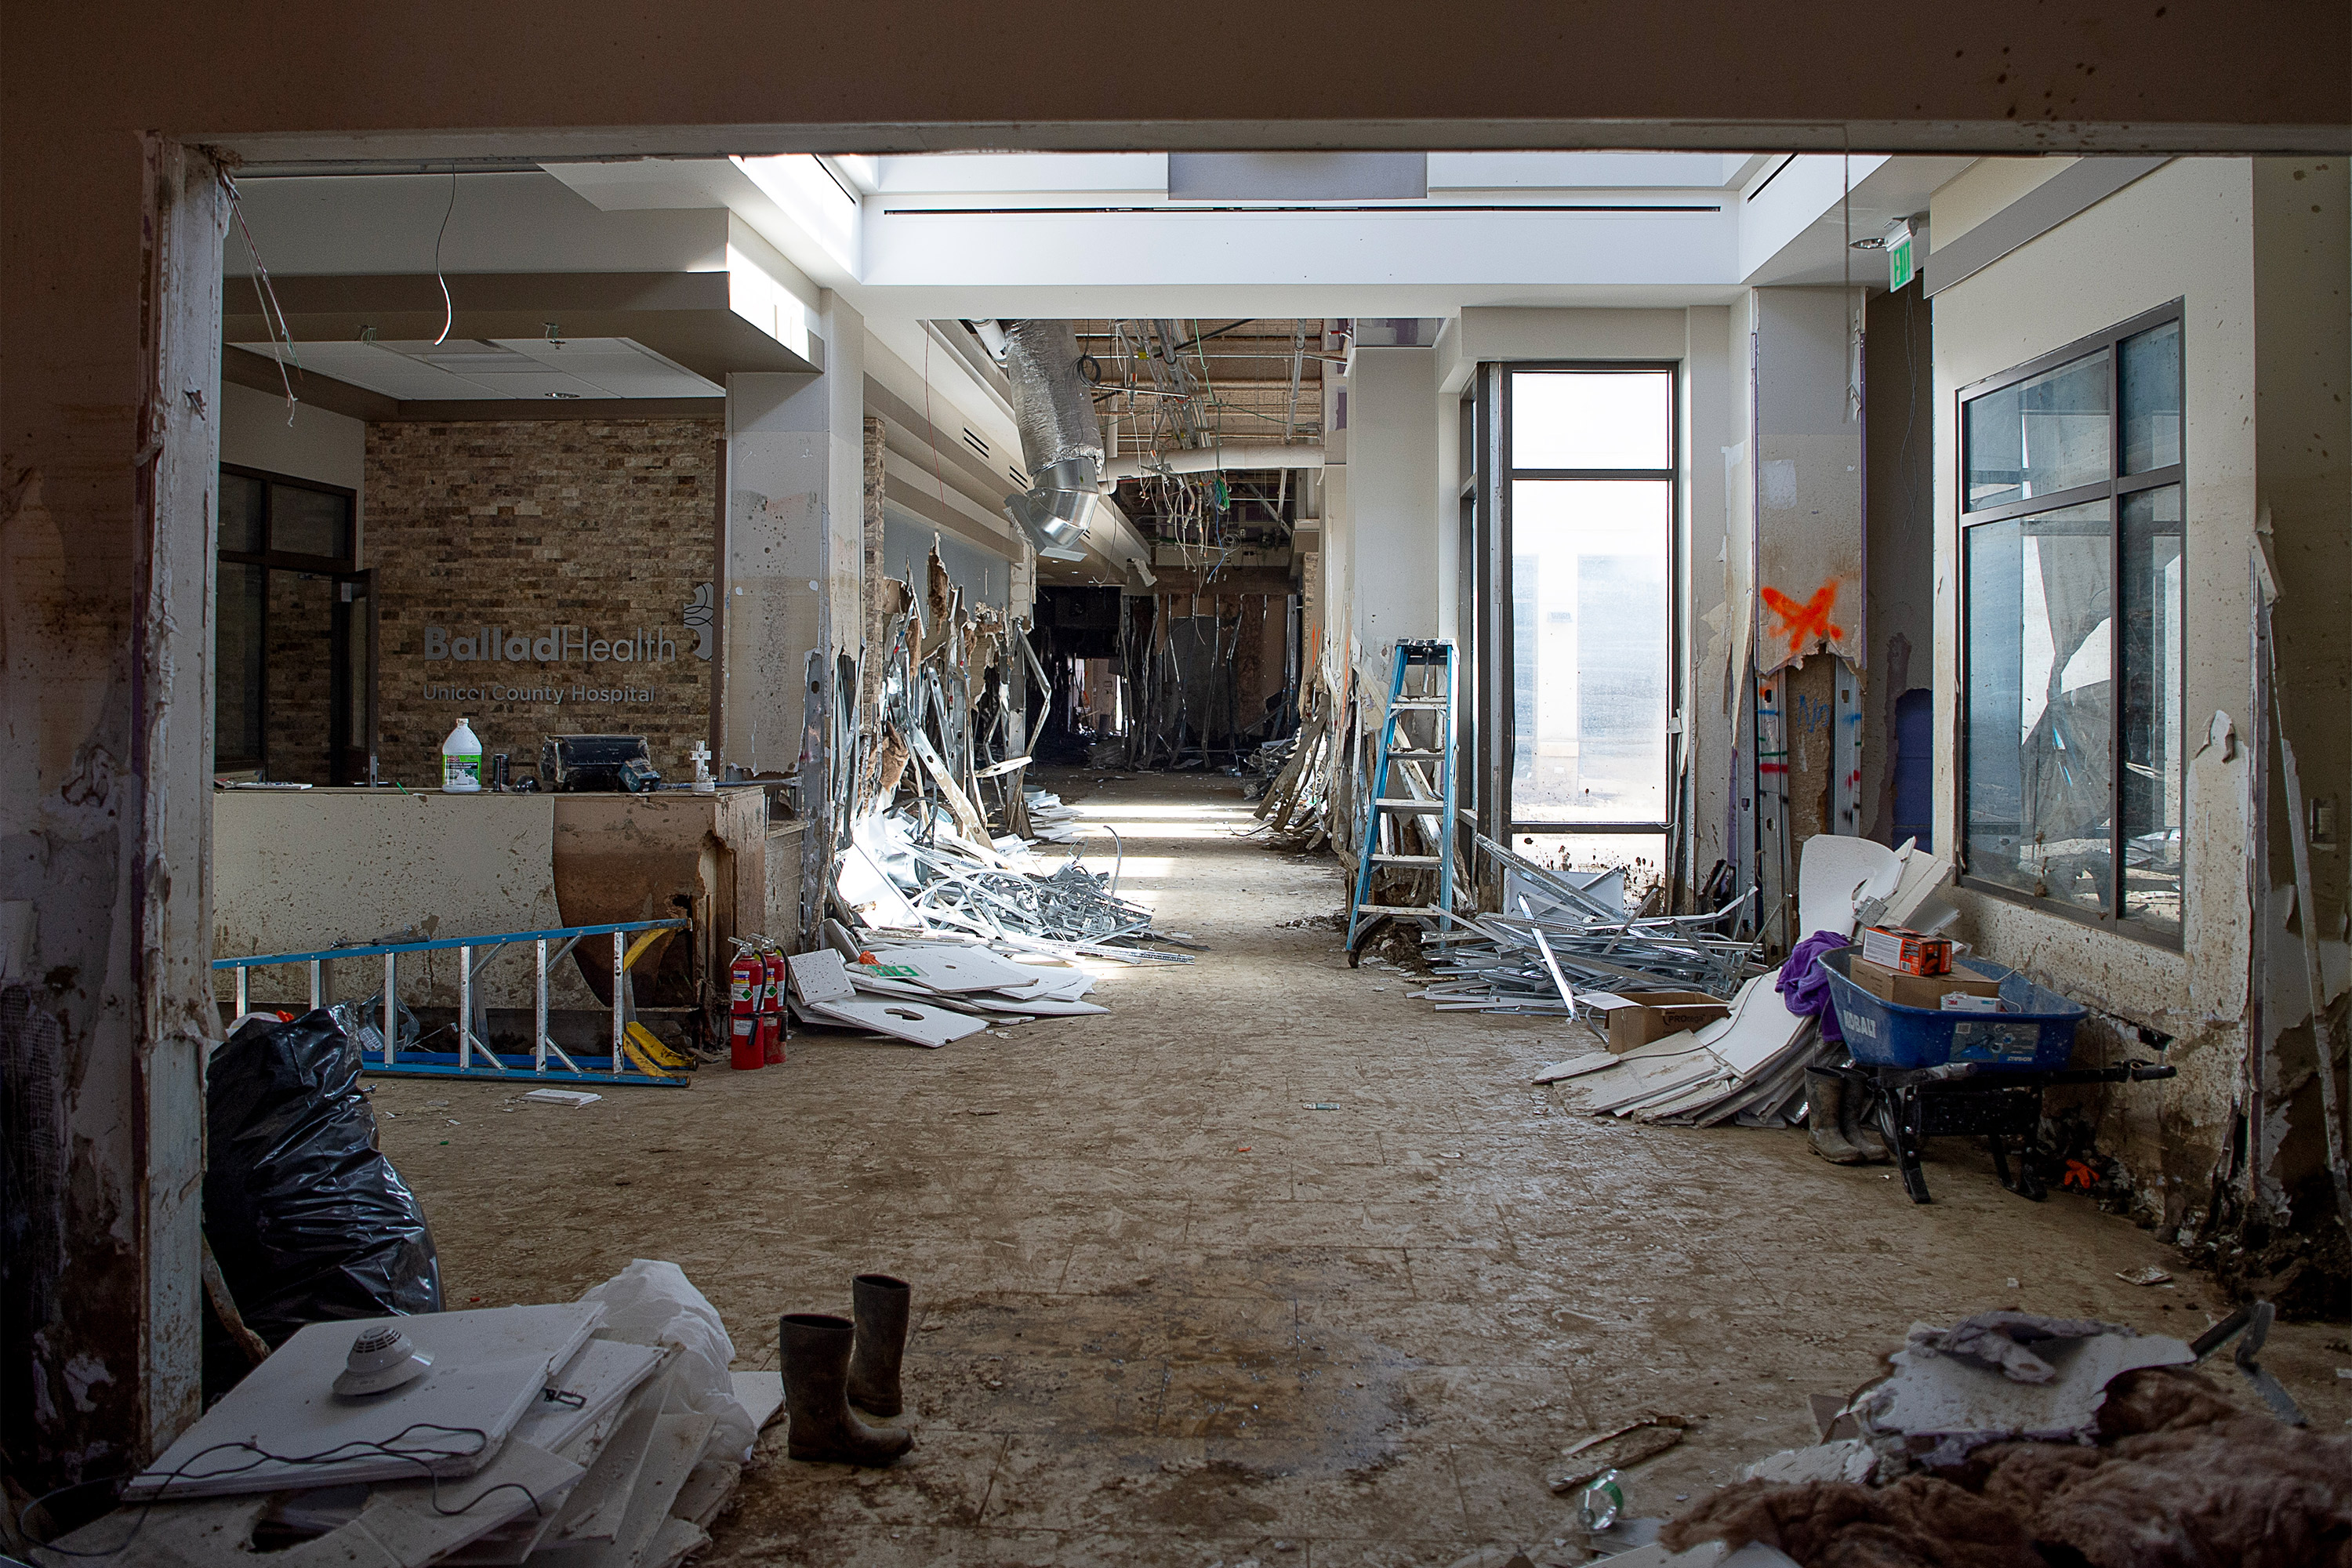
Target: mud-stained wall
299, 873
2302, 413
2183, 232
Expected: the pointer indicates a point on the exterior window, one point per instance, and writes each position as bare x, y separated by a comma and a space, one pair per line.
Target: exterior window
1589, 493
2073, 544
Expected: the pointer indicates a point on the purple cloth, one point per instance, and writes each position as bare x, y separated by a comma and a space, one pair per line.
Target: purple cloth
1805, 987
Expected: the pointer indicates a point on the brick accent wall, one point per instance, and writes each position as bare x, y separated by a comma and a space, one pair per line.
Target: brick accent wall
299, 738
571, 538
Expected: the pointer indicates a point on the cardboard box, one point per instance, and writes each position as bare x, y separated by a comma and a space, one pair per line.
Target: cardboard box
1917, 989
1641, 1016
1913, 951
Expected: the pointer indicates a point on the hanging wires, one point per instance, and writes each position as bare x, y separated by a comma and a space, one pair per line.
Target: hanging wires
401, 1446
273, 318
449, 310
1845, 269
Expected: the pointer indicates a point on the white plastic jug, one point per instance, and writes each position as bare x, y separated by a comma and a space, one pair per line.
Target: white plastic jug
461, 761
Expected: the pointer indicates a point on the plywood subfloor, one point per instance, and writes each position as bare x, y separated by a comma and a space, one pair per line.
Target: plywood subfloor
1170, 1314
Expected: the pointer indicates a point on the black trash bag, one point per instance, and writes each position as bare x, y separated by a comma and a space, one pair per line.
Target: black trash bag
309, 1221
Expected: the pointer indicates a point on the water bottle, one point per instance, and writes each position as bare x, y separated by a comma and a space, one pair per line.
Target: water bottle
461, 761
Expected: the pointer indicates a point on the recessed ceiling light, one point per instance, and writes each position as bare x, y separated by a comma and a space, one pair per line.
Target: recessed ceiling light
563, 395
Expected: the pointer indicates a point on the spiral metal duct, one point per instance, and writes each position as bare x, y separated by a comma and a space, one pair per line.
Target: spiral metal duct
1061, 446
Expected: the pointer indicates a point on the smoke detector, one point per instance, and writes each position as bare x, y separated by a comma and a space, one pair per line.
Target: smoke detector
382, 1358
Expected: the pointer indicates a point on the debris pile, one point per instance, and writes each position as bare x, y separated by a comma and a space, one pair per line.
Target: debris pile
898, 880
929, 994
603, 1431
2013, 1441
1049, 819
927, 893
1296, 807
1749, 1067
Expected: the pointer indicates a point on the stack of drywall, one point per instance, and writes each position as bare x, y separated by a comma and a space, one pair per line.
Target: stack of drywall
932, 994
539, 1434
1749, 1067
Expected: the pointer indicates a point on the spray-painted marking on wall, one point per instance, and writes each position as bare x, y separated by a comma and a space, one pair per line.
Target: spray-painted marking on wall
1801, 624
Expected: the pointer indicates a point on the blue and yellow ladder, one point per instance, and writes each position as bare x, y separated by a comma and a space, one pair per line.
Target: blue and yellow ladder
1421, 691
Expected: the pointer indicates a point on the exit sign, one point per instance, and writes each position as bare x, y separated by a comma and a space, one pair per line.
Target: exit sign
1900, 267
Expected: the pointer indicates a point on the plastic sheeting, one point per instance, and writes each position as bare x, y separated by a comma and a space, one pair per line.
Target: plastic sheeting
653, 1303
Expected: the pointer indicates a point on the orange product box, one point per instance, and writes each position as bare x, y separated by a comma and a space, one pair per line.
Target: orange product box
1911, 952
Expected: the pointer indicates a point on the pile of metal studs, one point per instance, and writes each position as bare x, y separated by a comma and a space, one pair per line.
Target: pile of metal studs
1069, 910
1533, 961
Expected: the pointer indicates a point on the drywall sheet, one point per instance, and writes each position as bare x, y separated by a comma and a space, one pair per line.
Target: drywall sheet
487, 1368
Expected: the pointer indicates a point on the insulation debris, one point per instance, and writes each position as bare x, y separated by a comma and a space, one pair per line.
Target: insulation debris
604, 1433
2010, 1441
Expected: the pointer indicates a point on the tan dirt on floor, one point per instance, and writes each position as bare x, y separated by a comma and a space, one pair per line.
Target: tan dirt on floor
1167, 1313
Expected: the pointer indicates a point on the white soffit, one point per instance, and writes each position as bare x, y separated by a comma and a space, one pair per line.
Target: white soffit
501, 369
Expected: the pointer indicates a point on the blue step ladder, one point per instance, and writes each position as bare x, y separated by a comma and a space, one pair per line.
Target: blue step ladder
1420, 694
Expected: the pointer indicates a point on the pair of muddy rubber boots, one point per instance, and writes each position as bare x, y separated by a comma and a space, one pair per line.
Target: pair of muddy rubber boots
1837, 1118
832, 1363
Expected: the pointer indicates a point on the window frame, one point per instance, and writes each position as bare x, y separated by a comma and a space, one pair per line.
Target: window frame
2113, 489
1503, 706
333, 567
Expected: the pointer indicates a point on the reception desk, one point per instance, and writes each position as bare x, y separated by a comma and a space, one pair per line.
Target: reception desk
300, 870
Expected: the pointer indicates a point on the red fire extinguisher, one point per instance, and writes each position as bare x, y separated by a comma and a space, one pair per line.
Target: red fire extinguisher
747, 983
771, 1036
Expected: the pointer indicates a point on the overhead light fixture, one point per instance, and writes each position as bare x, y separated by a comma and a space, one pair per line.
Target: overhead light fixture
568, 396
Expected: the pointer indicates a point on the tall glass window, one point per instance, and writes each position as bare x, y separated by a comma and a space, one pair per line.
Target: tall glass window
2073, 548
1590, 497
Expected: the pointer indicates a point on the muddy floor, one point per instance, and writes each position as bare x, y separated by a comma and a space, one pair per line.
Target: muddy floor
1273, 1263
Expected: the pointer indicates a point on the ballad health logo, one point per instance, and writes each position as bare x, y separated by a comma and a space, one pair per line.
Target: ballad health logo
561, 645
564, 645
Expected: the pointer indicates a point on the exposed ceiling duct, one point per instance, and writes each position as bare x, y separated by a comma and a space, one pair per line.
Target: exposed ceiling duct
1215, 459
1061, 444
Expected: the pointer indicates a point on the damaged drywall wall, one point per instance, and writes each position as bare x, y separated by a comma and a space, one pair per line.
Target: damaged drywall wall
106, 544
1808, 477
2205, 1158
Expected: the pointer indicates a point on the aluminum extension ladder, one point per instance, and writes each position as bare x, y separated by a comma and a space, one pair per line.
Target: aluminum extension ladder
1428, 697
474, 1057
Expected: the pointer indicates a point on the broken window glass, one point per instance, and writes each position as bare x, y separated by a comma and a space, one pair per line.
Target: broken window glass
2154, 714
2041, 787
2073, 729
2046, 434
